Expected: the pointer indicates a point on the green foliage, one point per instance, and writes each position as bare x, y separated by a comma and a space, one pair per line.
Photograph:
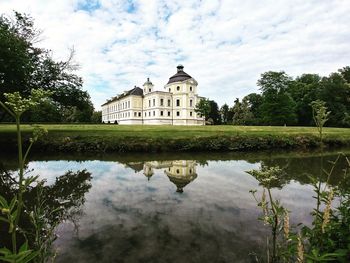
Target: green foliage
214, 113
224, 113
327, 239
242, 113
203, 108
320, 115
24, 67
96, 117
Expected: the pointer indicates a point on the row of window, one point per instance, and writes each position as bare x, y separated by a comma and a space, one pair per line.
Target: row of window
168, 104
162, 113
149, 114
120, 106
178, 88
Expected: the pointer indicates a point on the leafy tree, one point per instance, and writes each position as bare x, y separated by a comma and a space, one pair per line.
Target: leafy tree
242, 114
203, 108
345, 72
278, 107
96, 117
304, 90
253, 103
335, 91
24, 67
214, 113
224, 112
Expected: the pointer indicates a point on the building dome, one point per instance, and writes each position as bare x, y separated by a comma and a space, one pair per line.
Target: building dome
181, 75
148, 82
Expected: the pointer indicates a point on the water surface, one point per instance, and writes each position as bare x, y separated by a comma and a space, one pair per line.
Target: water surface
176, 208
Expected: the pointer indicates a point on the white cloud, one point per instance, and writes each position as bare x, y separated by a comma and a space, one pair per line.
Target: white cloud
225, 45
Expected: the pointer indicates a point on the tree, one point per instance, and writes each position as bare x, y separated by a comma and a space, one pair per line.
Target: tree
24, 67
242, 114
203, 108
253, 102
214, 113
335, 91
304, 90
224, 112
278, 107
345, 72
96, 117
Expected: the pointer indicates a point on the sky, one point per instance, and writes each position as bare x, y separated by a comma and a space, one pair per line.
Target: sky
224, 44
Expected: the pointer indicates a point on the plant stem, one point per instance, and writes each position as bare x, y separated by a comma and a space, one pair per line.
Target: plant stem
20, 181
274, 226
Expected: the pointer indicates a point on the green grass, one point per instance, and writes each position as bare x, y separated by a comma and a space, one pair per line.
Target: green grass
149, 131
137, 138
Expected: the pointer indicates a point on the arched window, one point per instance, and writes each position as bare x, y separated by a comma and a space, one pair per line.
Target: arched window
178, 88
190, 88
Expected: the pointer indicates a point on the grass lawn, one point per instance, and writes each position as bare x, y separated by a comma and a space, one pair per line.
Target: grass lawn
138, 138
153, 131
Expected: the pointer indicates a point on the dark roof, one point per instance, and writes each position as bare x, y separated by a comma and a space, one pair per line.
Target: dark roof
181, 75
135, 91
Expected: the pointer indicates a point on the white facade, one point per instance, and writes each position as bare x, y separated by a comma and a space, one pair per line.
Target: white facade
173, 106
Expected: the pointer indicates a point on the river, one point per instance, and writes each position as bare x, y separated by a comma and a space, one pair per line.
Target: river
173, 208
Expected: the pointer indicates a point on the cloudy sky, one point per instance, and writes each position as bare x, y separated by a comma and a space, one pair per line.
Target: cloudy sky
225, 45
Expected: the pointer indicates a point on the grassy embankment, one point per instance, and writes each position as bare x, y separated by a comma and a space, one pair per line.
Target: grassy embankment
120, 138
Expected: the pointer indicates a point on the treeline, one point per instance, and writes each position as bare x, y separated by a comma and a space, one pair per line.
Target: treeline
24, 66
286, 101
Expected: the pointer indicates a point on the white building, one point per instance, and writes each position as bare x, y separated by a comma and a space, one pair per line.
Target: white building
173, 106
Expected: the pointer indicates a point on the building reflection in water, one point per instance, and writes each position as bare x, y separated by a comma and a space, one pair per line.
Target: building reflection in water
179, 172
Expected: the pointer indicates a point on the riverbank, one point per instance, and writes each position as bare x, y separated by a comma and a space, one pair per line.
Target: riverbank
105, 138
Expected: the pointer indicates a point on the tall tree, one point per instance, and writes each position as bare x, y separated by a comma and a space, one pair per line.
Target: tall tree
304, 90
242, 114
224, 112
253, 102
203, 108
335, 91
23, 66
214, 113
278, 107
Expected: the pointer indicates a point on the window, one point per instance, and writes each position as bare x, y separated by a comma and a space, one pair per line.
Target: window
177, 171
177, 113
145, 114
135, 114
161, 113
190, 88
149, 113
191, 103
169, 90
168, 103
154, 102
178, 103
191, 113
178, 88
139, 114
129, 104
161, 102
149, 103
149, 90
169, 113
154, 113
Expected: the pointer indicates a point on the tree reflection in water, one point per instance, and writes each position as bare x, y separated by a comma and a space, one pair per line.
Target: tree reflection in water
46, 206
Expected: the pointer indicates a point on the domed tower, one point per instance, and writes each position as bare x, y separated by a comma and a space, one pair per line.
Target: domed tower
181, 173
147, 87
148, 171
183, 89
